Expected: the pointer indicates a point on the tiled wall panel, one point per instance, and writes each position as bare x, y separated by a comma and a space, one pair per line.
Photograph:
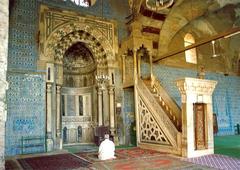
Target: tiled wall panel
26, 111
129, 113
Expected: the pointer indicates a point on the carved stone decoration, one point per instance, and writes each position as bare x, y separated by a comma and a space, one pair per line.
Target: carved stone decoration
200, 128
60, 30
150, 131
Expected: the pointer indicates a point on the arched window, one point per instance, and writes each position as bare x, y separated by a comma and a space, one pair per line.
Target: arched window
79, 133
190, 55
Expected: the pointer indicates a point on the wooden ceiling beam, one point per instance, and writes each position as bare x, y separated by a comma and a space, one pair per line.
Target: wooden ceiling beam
197, 44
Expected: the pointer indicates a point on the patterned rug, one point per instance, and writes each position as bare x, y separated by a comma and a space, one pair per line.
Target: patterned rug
53, 162
216, 161
137, 152
121, 154
149, 163
11, 165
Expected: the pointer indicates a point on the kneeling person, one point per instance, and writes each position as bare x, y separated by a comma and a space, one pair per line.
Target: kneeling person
106, 149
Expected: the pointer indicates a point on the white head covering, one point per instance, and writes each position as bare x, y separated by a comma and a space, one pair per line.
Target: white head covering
106, 136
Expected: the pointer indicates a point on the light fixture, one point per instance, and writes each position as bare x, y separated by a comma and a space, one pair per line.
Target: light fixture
157, 5
214, 49
230, 35
83, 3
102, 80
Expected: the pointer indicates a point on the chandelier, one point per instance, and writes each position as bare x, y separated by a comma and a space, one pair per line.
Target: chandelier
102, 80
83, 3
157, 5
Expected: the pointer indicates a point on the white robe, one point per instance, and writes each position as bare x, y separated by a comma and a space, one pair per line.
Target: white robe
106, 150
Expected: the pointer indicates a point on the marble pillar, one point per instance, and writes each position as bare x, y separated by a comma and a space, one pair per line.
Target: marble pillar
4, 15
111, 109
135, 66
139, 58
100, 112
151, 66
123, 67
196, 91
58, 117
49, 117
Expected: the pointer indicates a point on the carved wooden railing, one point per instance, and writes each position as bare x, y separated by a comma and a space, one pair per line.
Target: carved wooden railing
162, 119
165, 101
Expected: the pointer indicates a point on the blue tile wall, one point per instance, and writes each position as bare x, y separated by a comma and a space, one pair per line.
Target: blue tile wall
129, 111
26, 111
23, 27
226, 97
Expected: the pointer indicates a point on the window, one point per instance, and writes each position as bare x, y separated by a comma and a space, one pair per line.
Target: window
63, 105
80, 105
190, 55
83, 3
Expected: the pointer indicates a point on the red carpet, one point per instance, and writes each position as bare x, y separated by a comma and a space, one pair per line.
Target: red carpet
11, 165
53, 162
137, 152
146, 163
121, 154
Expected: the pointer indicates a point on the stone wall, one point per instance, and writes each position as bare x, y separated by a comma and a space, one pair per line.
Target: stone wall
226, 97
4, 12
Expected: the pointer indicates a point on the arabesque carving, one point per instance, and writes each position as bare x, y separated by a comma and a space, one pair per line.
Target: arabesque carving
150, 131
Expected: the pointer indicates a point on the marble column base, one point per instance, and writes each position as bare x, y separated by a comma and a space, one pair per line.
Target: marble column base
59, 143
49, 145
115, 136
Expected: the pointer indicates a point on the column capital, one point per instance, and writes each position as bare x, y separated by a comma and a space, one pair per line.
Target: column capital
58, 88
49, 87
135, 50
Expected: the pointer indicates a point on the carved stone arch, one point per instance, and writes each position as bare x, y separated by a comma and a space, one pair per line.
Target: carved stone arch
81, 36
62, 32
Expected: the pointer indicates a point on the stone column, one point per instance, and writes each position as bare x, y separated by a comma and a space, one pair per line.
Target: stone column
151, 66
100, 113
135, 66
111, 109
58, 117
196, 91
123, 67
58, 90
139, 57
49, 117
4, 13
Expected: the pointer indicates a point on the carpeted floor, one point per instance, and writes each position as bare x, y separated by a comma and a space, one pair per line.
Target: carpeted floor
81, 148
216, 161
147, 163
121, 154
227, 145
53, 162
11, 165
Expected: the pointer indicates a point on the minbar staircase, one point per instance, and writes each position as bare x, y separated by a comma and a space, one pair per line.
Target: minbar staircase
165, 101
159, 118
